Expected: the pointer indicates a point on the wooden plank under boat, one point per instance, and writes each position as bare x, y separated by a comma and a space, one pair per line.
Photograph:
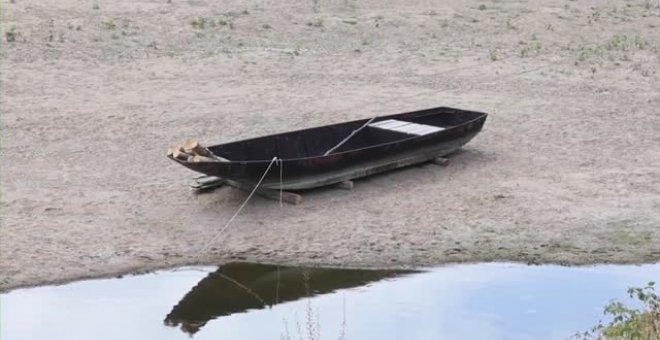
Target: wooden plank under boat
323, 155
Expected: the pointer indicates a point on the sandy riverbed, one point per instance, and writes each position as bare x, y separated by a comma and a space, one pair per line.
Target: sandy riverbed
567, 168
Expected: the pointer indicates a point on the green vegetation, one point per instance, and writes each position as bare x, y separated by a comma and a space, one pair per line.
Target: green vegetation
316, 23
642, 323
199, 23
109, 25
594, 16
532, 48
623, 43
495, 54
616, 43
510, 25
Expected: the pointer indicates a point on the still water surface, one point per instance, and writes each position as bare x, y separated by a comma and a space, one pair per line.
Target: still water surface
249, 301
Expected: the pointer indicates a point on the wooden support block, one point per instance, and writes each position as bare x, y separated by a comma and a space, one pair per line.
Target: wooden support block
440, 161
205, 180
346, 185
207, 183
288, 197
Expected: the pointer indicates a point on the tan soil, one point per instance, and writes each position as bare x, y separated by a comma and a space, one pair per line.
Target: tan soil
567, 169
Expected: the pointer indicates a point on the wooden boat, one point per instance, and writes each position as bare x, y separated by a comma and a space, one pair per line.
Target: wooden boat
341, 152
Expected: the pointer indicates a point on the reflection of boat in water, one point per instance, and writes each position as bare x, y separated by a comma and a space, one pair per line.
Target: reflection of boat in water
239, 287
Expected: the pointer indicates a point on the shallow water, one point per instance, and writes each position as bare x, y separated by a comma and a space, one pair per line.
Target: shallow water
244, 301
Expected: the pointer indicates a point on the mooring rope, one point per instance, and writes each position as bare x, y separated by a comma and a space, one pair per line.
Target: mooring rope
215, 237
242, 286
349, 137
280, 164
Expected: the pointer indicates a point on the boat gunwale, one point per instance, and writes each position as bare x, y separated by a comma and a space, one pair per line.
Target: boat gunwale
412, 137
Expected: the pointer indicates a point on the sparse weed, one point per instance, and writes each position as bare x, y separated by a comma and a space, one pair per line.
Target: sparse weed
594, 16
11, 35
482, 7
616, 43
495, 54
310, 329
266, 26
318, 22
533, 48
199, 23
588, 52
624, 43
640, 42
510, 25
109, 25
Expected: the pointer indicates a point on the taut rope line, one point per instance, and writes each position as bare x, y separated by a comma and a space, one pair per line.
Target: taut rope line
215, 237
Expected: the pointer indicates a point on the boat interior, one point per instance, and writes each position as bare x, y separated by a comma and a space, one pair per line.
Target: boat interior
317, 141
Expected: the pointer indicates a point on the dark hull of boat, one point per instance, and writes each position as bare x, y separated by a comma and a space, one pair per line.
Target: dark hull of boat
304, 166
